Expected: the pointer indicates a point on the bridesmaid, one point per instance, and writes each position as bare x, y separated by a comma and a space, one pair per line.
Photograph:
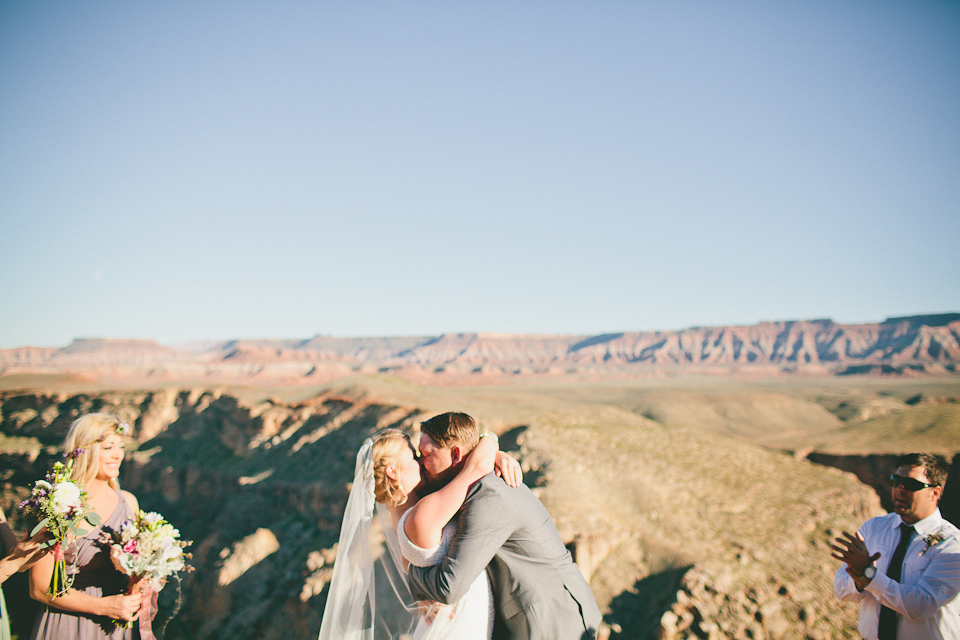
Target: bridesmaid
88, 610
18, 555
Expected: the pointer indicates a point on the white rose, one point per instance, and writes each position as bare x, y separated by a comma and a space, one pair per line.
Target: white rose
175, 565
169, 551
116, 555
127, 564
65, 496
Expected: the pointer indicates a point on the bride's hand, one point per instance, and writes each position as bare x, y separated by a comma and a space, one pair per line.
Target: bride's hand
429, 610
508, 469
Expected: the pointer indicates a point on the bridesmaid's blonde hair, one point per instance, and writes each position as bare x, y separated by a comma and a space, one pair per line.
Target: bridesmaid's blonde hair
87, 433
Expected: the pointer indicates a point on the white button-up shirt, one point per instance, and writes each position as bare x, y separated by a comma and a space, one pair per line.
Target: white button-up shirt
926, 596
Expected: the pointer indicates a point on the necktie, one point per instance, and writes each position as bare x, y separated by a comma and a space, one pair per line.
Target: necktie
889, 617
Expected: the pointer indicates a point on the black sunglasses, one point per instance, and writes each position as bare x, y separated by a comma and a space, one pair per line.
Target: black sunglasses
910, 484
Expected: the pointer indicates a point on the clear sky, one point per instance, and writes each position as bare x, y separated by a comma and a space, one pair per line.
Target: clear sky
210, 170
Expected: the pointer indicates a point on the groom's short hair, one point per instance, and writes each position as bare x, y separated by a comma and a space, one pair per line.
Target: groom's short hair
933, 466
452, 428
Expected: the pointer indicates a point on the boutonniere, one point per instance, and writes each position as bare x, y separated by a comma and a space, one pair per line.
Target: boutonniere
933, 540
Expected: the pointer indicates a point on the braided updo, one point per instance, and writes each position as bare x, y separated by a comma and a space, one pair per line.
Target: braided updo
386, 450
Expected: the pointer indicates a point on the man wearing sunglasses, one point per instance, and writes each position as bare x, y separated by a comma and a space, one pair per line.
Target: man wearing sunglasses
904, 568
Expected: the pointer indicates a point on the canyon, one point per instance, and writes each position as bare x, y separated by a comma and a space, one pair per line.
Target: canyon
688, 520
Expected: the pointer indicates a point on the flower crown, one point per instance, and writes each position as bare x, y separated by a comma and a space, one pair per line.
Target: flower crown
122, 429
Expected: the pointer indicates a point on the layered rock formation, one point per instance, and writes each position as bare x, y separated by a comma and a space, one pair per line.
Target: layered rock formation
259, 488
898, 346
683, 534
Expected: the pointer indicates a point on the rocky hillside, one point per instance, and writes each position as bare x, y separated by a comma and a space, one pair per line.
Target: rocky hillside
683, 534
898, 346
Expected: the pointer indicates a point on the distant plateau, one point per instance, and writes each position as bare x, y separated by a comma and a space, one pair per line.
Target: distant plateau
905, 346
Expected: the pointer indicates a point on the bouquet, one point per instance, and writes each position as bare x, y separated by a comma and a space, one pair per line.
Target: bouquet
61, 507
149, 550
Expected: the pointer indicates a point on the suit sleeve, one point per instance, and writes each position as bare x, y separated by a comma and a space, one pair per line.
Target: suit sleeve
482, 528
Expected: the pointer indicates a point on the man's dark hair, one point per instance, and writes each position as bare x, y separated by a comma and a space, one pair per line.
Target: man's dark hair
934, 468
456, 428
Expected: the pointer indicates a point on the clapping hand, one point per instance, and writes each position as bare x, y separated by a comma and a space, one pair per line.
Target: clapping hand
853, 551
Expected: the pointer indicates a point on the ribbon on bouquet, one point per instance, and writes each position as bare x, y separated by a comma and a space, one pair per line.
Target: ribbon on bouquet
148, 607
59, 581
148, 611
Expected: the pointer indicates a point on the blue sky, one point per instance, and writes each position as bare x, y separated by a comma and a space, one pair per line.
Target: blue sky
212, 170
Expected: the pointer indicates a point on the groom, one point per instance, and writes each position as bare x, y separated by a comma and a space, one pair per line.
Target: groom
538, 591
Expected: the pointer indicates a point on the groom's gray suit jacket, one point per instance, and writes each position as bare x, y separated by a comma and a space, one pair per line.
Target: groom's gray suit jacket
539, 592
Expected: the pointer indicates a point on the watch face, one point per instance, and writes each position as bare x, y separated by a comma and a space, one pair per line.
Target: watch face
869, 573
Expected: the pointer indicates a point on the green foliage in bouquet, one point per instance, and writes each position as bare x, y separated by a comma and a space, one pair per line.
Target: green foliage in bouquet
61, 508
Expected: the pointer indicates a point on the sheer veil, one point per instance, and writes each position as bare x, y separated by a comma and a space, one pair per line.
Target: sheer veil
368, 597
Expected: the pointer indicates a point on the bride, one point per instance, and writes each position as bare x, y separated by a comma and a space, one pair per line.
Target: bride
368, 596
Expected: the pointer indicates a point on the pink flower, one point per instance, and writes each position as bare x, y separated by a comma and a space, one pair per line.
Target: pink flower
130, 547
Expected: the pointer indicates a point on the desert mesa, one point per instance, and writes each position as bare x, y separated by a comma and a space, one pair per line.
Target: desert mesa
903, 346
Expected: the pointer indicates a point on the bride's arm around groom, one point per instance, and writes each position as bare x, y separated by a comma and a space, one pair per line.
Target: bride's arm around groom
539, 592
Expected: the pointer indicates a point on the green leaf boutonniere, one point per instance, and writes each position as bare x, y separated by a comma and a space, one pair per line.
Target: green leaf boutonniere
933, 540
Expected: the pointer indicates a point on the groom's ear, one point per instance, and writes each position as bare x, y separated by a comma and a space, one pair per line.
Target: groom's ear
456, 454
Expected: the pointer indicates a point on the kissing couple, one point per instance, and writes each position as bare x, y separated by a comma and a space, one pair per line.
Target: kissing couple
450, 546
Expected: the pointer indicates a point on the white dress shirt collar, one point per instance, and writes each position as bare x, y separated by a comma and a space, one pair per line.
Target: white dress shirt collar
924, 527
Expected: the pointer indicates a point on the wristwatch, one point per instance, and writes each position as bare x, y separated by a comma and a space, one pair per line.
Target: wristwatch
870, 572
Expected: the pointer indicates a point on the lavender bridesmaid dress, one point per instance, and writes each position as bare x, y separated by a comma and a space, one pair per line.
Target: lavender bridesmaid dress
96, 576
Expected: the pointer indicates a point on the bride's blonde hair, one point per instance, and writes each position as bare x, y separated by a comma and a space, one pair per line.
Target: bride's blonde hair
386, 450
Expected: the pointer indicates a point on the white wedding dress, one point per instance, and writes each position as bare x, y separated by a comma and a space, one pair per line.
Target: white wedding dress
473, 618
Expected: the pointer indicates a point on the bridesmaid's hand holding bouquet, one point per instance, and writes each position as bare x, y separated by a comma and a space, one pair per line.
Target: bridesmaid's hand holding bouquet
61, 507
149, 550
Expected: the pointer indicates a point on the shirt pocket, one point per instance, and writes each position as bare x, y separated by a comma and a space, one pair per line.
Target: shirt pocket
915, 564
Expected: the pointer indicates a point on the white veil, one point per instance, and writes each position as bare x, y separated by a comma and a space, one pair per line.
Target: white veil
368, 597
352, 611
